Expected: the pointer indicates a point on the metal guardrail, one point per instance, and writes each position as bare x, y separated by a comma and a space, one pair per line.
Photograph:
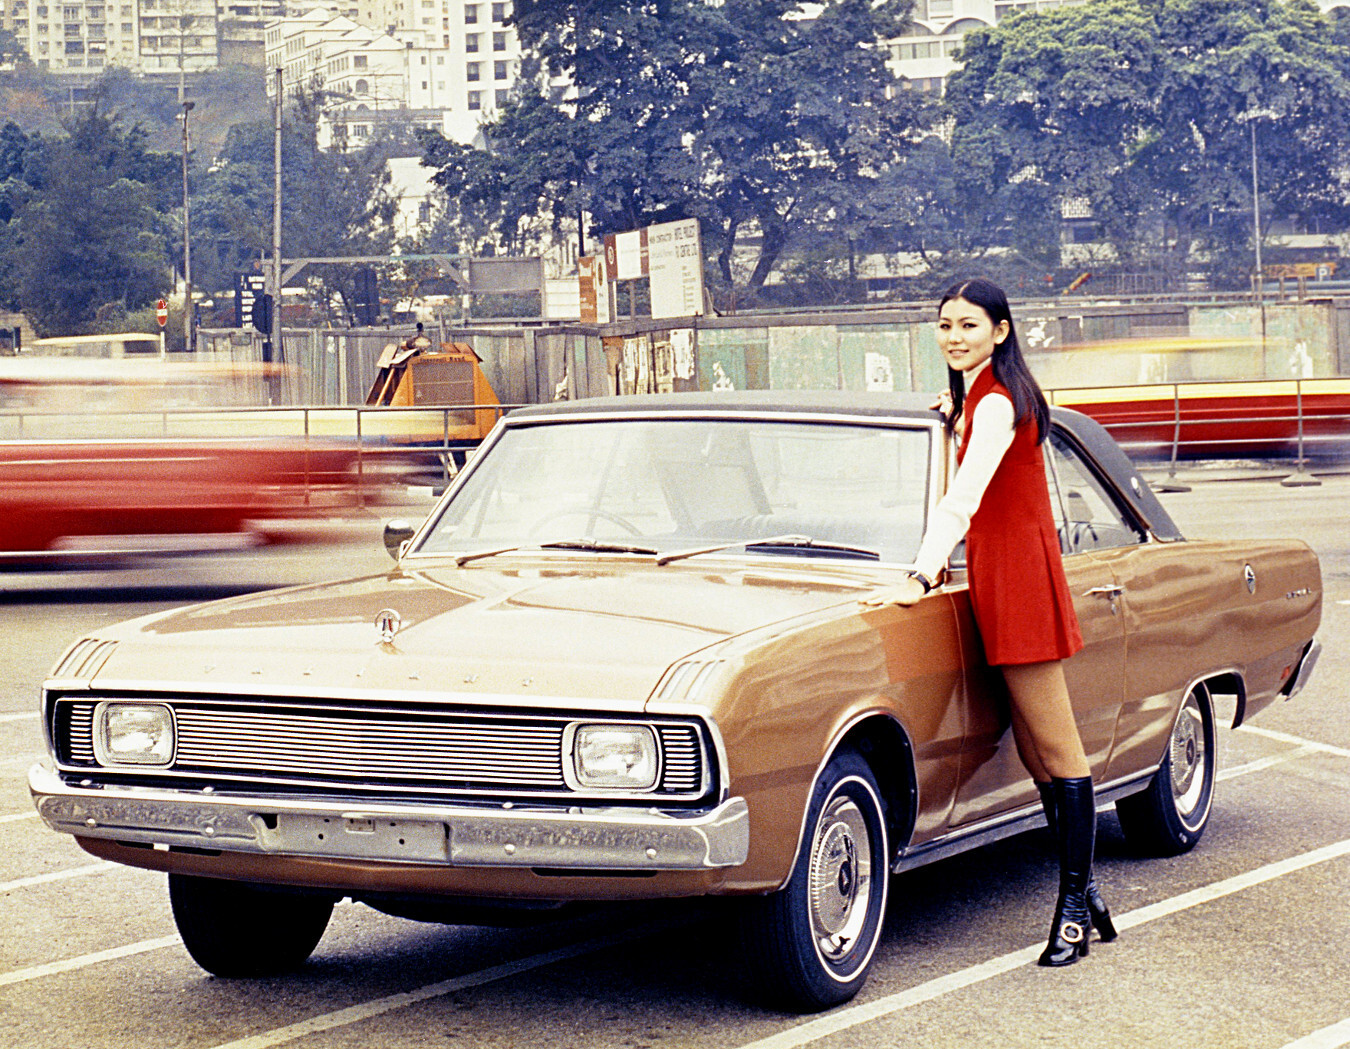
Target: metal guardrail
386, 434
413, 435
1216, 418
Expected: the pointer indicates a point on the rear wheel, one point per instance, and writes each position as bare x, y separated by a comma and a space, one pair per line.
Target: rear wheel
238, 930
1169, 816
810, 945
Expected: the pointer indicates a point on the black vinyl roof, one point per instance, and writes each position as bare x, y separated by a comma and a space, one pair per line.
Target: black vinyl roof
832, 401
1087, 433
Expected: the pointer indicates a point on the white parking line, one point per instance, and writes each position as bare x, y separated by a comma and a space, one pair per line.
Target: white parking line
42, 879
1285, 737
852, 1016
1266, 762
1332, 1037
51, 968
14, 817
375, 1007
18, 717
812, 1030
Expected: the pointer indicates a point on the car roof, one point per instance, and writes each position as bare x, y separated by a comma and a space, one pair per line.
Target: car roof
1091, 437
845, 402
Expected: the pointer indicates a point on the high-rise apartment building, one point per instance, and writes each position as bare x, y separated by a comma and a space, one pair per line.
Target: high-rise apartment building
445, 64
84, 36
924, 56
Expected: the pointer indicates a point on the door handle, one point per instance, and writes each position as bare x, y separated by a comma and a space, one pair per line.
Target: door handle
1110, 592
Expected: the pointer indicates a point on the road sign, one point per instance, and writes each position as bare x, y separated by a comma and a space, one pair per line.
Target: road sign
248, 290
162, 312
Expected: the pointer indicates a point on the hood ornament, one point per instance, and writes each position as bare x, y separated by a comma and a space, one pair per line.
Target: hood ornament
387, 622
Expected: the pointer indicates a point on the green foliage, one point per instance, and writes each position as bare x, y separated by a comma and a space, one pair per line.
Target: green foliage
85, 225
332, 204
741, 113
1145, 108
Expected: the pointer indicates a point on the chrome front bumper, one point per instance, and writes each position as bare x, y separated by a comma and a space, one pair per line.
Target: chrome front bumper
459, 836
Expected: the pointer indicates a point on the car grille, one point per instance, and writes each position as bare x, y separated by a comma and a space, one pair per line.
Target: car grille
417, 749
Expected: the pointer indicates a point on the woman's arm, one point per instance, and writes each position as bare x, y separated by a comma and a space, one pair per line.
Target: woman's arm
994, 426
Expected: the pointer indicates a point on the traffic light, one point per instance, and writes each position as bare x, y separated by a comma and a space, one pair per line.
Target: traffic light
262, 313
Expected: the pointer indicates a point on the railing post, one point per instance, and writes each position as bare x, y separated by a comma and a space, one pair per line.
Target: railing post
445, 448
1300, 478
1172, 484
360, 466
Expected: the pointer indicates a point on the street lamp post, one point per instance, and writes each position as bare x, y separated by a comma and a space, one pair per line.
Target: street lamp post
1249, 117
1256, 206
189, 341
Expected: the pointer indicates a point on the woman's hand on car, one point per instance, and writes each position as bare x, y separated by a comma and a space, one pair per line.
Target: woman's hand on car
905, 593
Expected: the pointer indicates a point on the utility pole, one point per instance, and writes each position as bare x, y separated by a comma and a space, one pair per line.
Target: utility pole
275, 334
189, 328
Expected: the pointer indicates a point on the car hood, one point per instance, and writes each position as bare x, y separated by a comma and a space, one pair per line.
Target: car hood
569, 634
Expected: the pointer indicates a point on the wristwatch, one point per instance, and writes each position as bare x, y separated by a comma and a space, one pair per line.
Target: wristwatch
922, 580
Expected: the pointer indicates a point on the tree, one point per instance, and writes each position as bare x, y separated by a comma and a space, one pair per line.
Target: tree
87, 225
11, 51
332, 204
758, 117
1147, 108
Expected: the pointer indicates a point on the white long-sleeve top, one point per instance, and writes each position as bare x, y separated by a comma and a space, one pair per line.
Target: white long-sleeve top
994, 425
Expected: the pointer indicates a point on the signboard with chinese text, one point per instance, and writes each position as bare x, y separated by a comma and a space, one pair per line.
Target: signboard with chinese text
675, 266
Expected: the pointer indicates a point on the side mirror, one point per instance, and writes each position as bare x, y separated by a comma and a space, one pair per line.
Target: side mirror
396, 533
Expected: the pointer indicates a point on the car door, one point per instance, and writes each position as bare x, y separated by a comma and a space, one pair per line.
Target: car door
1090, 521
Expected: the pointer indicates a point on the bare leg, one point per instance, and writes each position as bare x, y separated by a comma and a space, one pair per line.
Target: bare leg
1043, 722
1025, 750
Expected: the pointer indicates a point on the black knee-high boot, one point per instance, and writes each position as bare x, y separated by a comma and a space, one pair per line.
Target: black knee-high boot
1100, 913
1077, 812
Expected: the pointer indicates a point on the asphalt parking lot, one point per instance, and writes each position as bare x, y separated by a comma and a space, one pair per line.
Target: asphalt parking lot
1239, 943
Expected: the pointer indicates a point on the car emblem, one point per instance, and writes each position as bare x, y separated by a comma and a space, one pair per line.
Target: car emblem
387, 622
1249, 574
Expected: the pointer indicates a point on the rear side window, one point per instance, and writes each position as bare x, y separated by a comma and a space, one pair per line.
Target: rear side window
1087, 516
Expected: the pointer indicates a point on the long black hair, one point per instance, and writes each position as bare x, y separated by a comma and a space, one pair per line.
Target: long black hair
1010, 367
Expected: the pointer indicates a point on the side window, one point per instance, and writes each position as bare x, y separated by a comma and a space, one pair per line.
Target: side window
1086, 516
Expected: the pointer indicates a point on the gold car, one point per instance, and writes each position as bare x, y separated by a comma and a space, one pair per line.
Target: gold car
625, 657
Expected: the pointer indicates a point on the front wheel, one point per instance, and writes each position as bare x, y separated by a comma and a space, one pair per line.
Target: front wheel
234, 929
810, 945
1168, 817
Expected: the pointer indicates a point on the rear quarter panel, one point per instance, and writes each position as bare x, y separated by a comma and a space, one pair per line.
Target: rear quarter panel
1190, 615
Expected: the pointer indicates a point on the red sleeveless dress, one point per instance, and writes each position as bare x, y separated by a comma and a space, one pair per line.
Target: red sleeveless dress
1018, 591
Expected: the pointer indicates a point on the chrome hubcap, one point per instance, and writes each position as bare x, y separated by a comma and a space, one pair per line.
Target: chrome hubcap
1189, 757
841, 878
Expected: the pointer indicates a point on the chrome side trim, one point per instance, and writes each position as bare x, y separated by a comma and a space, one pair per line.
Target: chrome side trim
1005, 825
600, 839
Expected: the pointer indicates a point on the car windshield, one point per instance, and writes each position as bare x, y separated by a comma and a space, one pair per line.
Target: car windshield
669, 484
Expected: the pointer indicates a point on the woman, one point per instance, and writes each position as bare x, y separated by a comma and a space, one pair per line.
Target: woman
1000, 503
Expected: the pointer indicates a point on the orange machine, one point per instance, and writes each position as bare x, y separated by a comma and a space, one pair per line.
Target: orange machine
410, 375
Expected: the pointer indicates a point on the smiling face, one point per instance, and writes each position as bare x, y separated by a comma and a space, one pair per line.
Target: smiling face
967, 335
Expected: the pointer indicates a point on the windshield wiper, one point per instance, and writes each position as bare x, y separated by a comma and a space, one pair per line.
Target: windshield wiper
799, 541
562, 544
795, 541
773, 540
596, 545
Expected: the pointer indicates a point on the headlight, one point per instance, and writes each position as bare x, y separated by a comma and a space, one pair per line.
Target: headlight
133, 734
617, 757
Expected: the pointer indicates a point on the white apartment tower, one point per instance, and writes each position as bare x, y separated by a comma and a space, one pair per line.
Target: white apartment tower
84, 36
924, 55
444, 64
